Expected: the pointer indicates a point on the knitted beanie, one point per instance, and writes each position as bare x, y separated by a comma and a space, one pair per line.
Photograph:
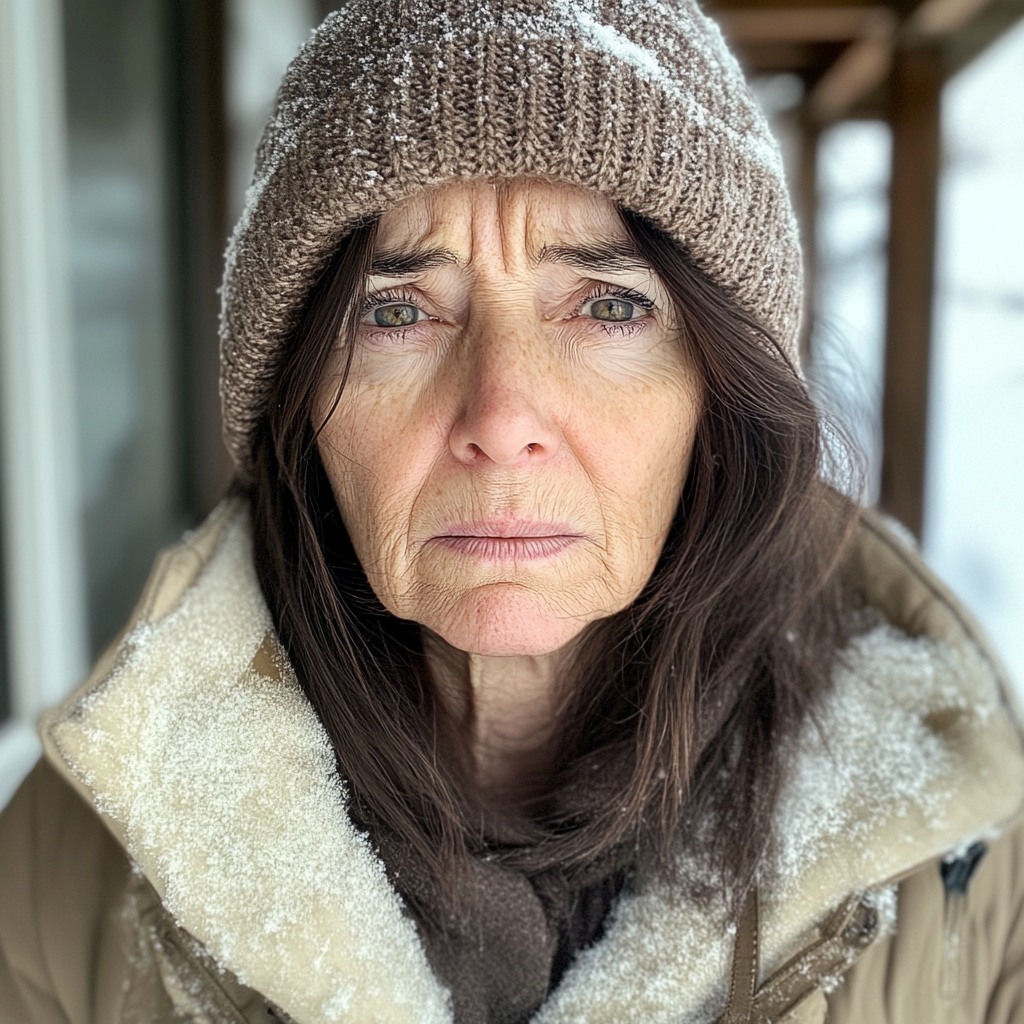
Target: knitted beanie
638, 99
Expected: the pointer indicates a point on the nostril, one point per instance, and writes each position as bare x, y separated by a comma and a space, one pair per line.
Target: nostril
499, 431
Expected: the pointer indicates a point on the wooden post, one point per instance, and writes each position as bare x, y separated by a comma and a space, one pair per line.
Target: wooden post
807, 212
200, 124
916, 93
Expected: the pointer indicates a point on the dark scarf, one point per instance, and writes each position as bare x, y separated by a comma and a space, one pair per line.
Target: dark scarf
501, 958
519, 931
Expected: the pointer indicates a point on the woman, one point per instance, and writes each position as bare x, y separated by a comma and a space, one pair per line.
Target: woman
533, 672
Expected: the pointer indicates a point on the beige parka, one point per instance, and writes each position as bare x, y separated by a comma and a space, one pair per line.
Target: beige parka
183, 851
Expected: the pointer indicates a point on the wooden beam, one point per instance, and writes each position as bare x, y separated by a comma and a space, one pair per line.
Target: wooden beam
916, 94
863, 66
795, 24
779, 58
979, 32
941, 17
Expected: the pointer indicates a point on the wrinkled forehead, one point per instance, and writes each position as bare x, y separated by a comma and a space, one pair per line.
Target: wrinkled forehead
504, 222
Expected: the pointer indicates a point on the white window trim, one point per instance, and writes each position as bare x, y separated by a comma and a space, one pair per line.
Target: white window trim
45, 605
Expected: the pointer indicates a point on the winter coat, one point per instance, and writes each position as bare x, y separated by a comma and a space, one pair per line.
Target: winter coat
183, 851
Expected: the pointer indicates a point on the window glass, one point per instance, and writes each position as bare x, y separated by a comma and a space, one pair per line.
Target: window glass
848, 343
125, 371
975, 509
262, 38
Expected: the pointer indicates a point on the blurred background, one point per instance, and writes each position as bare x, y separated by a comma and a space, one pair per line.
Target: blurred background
127, 129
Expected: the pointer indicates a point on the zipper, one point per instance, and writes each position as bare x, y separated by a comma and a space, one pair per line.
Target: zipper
957, 872
952, 929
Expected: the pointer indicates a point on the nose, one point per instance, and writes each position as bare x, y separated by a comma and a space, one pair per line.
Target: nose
505, 418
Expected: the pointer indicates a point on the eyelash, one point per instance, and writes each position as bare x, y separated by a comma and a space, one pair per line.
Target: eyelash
600, 291
402, 295
399, 295
372, 302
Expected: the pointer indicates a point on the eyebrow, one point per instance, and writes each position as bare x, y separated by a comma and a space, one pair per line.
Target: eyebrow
402, 262
601, 257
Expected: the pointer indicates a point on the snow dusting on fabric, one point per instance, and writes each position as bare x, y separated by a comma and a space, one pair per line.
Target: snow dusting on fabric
884, 741
875, 792
640, 100
224, 783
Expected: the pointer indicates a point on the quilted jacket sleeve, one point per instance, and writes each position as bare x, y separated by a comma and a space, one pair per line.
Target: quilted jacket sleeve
953, 957
60, 875
1006, 1003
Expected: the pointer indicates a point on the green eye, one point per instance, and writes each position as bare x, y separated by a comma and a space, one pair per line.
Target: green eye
395, 314
612, 309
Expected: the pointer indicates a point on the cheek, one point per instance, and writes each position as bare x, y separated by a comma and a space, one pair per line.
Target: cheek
636, 442
638, 415
628, 433
376, 453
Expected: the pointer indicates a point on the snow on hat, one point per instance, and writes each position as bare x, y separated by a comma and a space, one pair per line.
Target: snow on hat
638, 99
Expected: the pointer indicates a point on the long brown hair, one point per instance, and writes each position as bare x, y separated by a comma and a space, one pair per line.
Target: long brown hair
697, 689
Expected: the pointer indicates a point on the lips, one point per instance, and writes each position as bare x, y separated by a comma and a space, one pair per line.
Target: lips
507, 540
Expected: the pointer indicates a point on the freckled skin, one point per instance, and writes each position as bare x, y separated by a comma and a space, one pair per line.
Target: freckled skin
510, 397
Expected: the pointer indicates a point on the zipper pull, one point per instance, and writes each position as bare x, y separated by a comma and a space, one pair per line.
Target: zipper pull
957, 873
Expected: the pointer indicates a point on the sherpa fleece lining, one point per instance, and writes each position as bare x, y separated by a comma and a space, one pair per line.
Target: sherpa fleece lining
197, 745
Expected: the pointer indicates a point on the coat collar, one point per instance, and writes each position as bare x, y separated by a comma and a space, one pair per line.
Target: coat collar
195, 743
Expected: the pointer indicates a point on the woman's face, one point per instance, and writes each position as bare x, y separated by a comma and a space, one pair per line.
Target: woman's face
511, 445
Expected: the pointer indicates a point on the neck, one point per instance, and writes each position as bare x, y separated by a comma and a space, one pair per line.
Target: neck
506, 712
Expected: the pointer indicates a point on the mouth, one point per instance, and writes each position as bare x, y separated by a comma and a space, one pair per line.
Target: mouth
507, 540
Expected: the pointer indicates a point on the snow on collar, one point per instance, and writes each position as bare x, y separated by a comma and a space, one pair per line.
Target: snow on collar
214, 771
222, 781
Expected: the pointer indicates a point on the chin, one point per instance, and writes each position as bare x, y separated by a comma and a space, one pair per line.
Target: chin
504, 621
